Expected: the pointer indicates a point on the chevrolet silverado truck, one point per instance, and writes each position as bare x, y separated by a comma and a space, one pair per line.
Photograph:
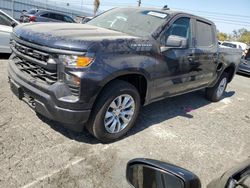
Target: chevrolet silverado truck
98, 75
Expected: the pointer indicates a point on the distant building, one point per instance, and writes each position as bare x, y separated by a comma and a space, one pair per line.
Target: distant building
15, 7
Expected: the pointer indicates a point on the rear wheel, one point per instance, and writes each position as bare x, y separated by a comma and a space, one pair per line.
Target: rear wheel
215, 93
115, 112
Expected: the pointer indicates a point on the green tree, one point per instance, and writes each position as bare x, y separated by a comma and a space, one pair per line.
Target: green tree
96, 6
222, 36
245, 37
241, 35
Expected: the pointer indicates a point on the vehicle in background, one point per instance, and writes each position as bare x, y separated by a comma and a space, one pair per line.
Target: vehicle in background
26, 14
100, 73
240, 45
80, 19
40, 15
149, 173
22, 14
6, 26
86, 19
244, 66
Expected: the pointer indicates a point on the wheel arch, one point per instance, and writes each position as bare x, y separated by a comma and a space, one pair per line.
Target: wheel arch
137, 79
230, 70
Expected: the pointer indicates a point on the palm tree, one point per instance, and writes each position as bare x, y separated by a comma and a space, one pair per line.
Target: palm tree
96, 6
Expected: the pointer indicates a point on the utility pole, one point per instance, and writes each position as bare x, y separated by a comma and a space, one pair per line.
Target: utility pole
12, 7
139, 3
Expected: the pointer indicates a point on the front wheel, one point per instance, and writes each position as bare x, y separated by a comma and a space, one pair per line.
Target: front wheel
215, 93
115, 112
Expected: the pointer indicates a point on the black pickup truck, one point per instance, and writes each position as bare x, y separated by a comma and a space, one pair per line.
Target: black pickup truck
101, 73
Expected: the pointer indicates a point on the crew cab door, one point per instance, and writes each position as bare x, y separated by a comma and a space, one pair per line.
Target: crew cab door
177, 68
206, 51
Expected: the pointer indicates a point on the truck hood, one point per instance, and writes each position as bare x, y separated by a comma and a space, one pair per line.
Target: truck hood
75, 37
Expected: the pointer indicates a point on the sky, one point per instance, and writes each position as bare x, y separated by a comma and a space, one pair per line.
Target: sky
228, 15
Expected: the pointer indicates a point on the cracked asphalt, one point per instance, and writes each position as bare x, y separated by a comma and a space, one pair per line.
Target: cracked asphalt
206, 138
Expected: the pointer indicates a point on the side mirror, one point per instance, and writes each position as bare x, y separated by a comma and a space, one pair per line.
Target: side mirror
174, 41
147, 173
238, 176
13, 24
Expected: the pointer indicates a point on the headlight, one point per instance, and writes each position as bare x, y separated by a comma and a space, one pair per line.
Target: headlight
75, 61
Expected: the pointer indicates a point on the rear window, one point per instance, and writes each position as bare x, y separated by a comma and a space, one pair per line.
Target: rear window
204, 34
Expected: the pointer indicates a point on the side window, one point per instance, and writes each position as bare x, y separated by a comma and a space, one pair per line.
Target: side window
56, 16
51, 15
4, 20
229, 45
204, 34
67, 19
59, 17
181, 27
46, 15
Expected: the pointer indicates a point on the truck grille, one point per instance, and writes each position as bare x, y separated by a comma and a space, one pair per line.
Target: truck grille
37, 72
34, 64
38, 55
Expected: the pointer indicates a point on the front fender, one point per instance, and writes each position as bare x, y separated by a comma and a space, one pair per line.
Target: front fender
109, 67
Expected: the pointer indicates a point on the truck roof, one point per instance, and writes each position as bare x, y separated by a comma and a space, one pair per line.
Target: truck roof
170, 12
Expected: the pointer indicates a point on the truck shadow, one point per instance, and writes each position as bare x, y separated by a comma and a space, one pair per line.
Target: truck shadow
245, 75
150, 115
83, 136
170, 108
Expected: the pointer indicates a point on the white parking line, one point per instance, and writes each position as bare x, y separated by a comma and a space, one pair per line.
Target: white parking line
52, 173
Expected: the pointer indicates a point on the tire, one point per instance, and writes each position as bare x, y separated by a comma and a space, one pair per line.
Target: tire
98, 124
215, 93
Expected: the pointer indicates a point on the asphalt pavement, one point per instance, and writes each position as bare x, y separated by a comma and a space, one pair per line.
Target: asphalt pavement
189, 131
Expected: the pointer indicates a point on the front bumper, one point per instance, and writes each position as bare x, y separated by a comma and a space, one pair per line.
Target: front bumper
44, 100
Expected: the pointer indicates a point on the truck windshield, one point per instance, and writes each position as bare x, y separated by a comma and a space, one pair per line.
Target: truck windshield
137, 22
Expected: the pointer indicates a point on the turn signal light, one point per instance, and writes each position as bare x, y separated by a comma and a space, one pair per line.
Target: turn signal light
73, 61
83, 61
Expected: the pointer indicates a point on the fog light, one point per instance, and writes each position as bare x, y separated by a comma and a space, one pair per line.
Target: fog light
73, 80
